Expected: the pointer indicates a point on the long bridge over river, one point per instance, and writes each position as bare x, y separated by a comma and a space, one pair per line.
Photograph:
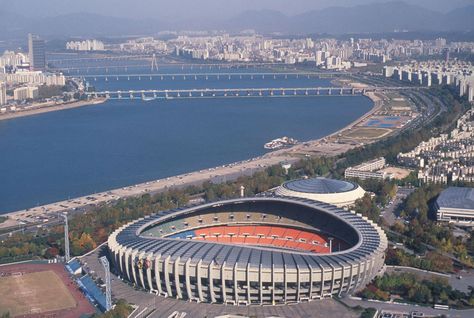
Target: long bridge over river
211, 76
191, 67
239, 92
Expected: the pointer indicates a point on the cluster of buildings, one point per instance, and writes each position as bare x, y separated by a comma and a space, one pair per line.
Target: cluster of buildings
327, 53
449, 157
86, 45
369, 170
409, 49
22, 74
144, 45
457, 73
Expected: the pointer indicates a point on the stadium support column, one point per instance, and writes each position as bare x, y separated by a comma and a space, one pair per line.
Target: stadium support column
260, 283
248, 283
166, 274
157, 274
179, 295
198, 278
187, 279
351, 278
333, 278
211, 282
67, 254
236, 285
298, 282
108, 290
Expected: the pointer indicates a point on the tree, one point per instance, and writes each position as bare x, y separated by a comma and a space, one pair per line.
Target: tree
121, 310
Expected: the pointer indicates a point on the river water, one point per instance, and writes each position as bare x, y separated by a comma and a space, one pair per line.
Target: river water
59, 155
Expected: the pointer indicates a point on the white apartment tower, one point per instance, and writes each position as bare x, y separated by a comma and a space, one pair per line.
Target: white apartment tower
3, 93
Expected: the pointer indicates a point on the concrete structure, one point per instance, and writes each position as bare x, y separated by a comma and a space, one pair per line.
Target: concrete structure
23, 93
456, 205
14, 60
459, 73
163, 252
86, 45
368, 170
37, 53
337, 192
3, 93
34, 78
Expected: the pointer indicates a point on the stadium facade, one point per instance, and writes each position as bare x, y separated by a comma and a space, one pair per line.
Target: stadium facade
263, 250
337, 192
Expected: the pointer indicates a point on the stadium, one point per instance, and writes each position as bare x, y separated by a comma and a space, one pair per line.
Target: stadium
262, 250
337, 192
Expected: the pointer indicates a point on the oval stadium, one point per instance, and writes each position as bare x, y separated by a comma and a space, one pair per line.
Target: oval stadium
338, 192
262, 250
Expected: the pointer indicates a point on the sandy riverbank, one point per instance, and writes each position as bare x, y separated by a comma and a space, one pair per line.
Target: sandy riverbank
326, 146
46, 108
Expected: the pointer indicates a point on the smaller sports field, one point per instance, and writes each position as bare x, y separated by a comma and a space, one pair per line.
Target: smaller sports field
33, 293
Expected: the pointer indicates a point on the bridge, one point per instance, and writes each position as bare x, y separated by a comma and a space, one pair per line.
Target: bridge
183, 66
238, 92
208, 76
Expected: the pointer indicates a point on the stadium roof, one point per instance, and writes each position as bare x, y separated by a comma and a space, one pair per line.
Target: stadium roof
370, 238
319, 185
456, 197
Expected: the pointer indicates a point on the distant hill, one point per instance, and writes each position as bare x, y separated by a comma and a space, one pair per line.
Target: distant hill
384, 17
77, 24
367, 18
379, 18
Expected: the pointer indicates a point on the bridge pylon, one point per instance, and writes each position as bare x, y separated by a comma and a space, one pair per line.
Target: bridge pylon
154, 64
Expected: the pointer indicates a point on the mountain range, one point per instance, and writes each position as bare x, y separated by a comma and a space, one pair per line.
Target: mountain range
371, 18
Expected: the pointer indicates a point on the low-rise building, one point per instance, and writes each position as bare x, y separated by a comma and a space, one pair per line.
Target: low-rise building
368, 170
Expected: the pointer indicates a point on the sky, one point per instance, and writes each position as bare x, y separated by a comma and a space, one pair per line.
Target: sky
168, 9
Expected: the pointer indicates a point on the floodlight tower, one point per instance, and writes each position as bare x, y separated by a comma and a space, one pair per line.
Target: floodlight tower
67, 254
108, 289
242, 191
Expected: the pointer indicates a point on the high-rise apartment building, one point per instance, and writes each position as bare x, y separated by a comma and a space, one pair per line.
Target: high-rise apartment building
37, 52
3, 93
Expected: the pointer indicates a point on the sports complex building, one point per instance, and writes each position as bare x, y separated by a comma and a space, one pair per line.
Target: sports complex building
456, 205
262, 250
337, 192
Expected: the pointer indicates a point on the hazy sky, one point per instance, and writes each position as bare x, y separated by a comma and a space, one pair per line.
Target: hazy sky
192, 8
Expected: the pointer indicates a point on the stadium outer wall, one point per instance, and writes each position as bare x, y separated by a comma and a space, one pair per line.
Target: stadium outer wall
240, 274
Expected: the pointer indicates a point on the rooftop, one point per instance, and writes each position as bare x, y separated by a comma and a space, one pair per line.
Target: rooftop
320, 185
456, 197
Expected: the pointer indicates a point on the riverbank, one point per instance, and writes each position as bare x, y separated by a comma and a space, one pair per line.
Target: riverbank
327, 146
46, 108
